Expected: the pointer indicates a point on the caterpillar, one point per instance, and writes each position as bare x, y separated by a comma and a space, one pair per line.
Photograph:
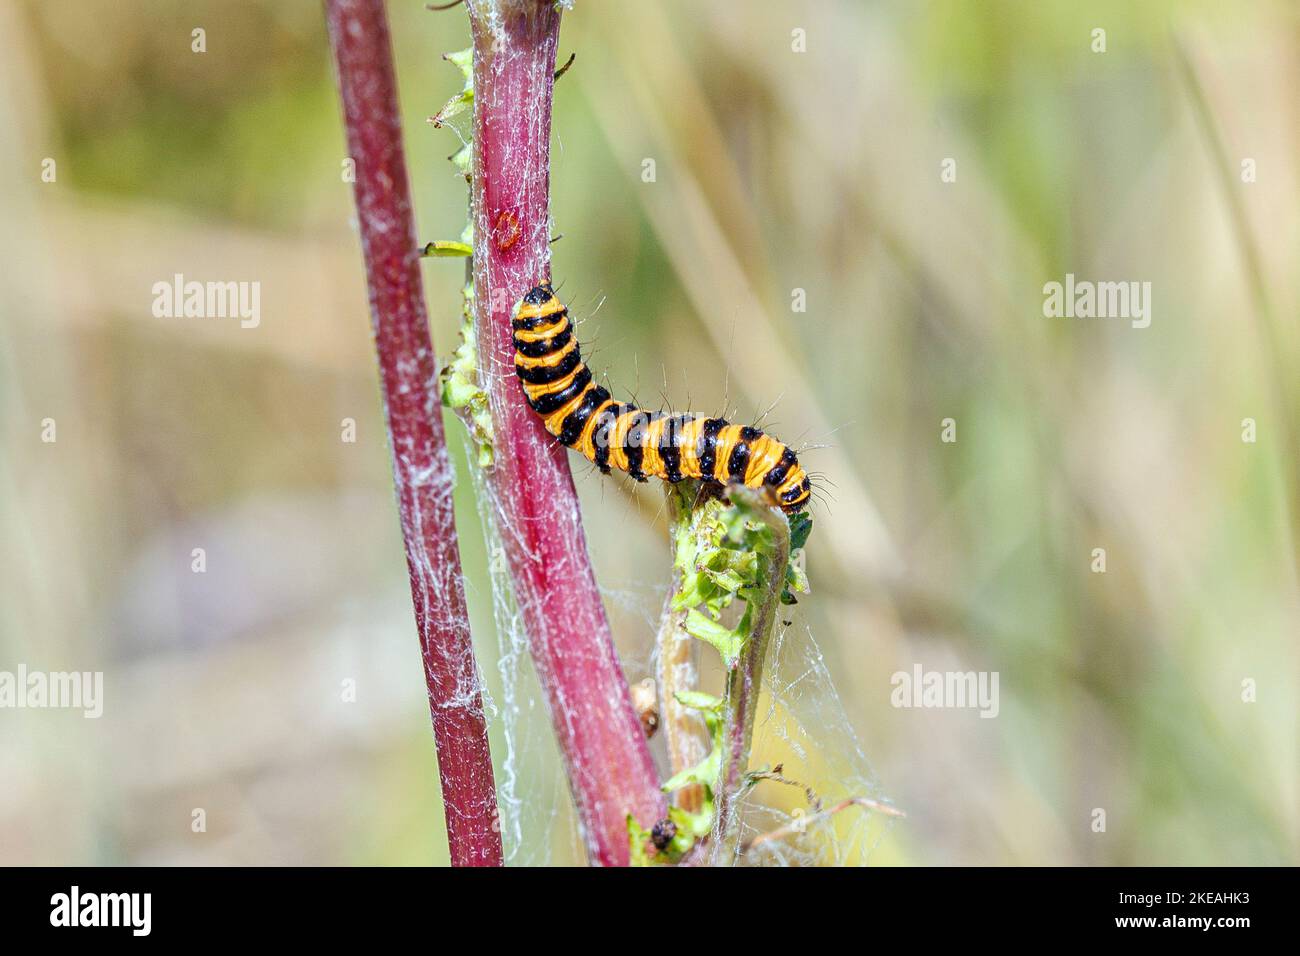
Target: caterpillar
611, 434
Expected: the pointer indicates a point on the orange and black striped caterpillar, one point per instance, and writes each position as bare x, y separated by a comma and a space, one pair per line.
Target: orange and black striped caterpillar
643, 443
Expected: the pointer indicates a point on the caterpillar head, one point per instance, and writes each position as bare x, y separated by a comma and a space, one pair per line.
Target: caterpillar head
539, 295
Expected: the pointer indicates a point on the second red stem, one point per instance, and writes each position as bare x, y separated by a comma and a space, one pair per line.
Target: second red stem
610, 770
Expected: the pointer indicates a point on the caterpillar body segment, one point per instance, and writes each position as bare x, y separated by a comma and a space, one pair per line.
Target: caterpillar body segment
612, 434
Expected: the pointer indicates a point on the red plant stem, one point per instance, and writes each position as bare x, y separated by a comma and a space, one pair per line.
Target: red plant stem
609, 766
421, 469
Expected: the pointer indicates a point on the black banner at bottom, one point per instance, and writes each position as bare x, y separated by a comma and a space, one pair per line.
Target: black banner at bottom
365, 905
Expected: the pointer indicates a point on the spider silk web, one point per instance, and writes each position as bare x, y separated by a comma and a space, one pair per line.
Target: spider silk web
538, 823
801, 727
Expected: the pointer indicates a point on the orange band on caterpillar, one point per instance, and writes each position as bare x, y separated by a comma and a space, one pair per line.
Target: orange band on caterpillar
643, 443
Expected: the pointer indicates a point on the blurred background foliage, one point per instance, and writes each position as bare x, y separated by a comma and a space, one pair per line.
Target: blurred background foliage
774, 171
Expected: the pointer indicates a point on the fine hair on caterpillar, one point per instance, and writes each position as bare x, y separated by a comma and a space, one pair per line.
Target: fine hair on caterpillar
643, 443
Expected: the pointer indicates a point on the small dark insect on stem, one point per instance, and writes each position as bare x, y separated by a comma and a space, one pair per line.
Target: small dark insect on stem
358, 31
